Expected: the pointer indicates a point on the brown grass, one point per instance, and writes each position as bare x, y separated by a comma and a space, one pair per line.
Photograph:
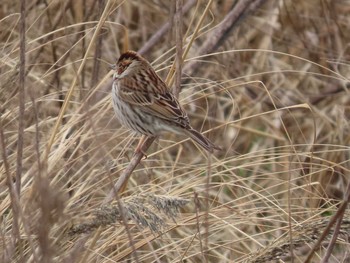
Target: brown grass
272, 90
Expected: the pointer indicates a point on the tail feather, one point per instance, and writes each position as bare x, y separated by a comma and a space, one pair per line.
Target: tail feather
201, 140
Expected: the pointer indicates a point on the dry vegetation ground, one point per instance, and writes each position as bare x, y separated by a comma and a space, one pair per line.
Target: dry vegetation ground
273, 92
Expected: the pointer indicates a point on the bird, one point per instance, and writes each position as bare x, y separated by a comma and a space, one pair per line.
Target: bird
143, 103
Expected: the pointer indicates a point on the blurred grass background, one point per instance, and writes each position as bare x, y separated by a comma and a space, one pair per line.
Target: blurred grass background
273, 92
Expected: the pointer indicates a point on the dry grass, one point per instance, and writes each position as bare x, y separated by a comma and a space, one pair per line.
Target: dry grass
274, 93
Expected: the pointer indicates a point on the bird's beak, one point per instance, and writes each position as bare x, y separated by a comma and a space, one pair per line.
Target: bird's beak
113, 66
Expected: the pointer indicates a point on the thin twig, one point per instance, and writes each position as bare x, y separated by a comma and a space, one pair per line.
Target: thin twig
240, 10
161, 32
197, 206
12, 191
197, 28
98, 52
337, 227
333, 239
14, 203
304, 235
331, 222
22, 55
290, 234
206, 213
124, 177
178, 37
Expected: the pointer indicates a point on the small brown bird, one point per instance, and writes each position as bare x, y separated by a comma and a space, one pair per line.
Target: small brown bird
143, 103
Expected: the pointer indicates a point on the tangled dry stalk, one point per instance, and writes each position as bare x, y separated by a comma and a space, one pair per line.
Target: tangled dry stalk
267, 80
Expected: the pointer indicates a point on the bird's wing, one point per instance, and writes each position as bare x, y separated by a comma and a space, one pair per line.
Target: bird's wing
157, 101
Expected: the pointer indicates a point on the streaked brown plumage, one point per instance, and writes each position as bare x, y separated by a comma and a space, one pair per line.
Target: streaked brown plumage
143, 103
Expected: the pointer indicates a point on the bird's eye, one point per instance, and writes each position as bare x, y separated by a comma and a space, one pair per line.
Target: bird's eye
121, 68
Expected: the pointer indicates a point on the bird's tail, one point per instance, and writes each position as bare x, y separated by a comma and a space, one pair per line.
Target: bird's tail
201, 140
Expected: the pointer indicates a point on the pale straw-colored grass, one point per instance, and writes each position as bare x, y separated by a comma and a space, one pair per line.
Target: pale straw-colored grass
274, 95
